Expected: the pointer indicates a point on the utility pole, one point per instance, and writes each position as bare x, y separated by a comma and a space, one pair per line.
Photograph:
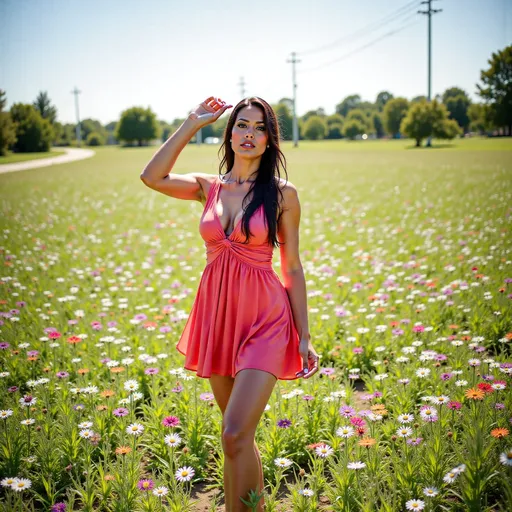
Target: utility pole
429, 14
242, 87
295, 125
76, 92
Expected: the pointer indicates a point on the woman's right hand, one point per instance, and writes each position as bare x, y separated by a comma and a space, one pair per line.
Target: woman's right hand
208, 111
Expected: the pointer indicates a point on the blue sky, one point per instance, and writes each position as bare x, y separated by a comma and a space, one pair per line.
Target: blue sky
170, 55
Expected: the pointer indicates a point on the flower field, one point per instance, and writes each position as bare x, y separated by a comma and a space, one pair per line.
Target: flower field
407, 256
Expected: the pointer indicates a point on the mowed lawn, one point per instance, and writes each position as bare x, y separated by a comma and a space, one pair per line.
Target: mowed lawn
404, 250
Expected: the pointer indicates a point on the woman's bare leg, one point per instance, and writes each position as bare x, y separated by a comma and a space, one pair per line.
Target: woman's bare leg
221, 387
250, 394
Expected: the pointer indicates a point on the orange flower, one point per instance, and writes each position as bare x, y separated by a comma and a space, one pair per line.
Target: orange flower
474, 394
73, 340
107, 393
498, 433
123, 450
101, 408
109, 478
82, 371
366, 442
117, 369
379, 409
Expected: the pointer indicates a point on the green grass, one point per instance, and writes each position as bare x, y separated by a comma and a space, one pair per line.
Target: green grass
12, 158
87, 243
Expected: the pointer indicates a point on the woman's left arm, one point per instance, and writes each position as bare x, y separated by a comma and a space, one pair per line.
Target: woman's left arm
293, 276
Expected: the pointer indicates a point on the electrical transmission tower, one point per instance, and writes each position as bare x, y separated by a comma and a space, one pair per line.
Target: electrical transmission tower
76, 92
242, 87
429, 13
294, 61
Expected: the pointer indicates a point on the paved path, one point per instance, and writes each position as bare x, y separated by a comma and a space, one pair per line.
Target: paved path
71, 155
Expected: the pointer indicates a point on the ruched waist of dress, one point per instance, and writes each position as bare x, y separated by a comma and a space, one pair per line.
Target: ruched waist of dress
258, 256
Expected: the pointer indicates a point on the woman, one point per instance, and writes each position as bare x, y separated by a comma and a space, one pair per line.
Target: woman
245, 329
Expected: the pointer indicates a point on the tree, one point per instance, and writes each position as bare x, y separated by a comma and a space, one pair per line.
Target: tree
89, 126
358, 115
417, 99
315, 128
95, 139
64, 134
457, 102
7, 127
45, 108
285, 119
320, 112
137, 124
353, 127
480, 117
497, 87
348, 104
378, 124
425, 119
394, 111
334, 126
457, 107
382, 98
453, 92
33, 133
334, 131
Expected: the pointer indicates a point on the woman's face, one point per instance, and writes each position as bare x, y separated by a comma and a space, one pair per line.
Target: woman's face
249, 136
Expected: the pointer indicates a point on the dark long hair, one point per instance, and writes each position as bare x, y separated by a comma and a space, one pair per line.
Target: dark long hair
266, 186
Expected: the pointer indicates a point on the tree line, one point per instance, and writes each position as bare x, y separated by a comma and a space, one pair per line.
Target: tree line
34, 127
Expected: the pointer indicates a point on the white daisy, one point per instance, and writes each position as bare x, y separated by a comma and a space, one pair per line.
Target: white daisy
281, 462
415, 505
172, 440
135, 429
345, 432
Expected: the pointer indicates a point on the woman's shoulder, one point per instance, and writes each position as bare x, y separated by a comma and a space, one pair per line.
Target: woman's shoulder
289, 191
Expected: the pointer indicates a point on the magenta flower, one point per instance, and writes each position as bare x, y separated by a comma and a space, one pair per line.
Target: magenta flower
207, 397
284, 423
418, 328
346, 411
357, 421
454, 406
120, 411
171, 421
151, 371
145, 485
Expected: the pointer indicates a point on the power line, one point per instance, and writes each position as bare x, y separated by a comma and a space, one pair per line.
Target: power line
371, 43
405, 9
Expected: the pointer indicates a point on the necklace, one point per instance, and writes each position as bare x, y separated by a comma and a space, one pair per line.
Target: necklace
239, 181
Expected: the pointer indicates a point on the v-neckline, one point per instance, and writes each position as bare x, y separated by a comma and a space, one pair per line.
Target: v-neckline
217, 215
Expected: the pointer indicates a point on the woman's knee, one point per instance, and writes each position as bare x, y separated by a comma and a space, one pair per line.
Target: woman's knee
234, 440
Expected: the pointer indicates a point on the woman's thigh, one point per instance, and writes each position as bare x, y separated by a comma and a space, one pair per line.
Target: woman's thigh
250, 394
222, 386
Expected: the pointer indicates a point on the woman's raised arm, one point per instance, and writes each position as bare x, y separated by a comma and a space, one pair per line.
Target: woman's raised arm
156, 174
